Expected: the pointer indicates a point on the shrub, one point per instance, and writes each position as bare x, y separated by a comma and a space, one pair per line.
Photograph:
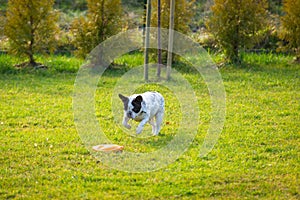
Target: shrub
238, 24
31, 27
290, 26
102, 21
183, 14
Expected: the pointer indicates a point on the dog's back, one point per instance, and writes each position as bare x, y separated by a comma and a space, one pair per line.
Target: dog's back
154, 101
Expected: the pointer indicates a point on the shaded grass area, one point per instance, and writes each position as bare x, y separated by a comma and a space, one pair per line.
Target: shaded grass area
257, 154
55, 64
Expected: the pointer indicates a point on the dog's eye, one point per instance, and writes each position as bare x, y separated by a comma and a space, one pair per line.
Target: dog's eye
136, 110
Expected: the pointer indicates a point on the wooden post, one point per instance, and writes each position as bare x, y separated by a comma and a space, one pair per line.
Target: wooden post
147, 40
171, 34
144, 21
158, 38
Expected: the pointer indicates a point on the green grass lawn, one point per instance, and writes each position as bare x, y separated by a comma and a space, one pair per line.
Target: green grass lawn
256, 156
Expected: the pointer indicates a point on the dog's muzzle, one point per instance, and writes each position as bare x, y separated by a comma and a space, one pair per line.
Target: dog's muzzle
129, 114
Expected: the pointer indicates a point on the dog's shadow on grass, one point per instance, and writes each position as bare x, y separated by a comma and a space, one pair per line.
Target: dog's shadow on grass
159, 141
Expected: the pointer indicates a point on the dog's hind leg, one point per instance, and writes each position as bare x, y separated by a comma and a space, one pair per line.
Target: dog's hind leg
153, 124
158, 121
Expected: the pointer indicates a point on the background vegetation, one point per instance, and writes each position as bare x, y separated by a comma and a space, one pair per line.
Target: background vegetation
31, 28
267, 26
238, 25
102, 21
290, 26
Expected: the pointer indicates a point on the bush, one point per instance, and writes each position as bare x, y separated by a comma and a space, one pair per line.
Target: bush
183, 14
290, 26
31, 27
102, 21
238, 24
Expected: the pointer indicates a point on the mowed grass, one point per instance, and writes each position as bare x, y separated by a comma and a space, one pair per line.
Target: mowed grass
256, 156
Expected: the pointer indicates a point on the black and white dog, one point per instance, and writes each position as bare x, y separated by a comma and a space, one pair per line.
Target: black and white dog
144, 108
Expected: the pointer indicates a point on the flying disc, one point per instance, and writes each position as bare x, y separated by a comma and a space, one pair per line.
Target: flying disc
108, 148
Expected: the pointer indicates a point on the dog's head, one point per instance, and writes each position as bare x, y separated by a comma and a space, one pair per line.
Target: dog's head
132, 105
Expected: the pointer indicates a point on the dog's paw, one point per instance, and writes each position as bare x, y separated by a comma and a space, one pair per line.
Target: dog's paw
127, 126
155, 133
153, 130
156, 130
139, 130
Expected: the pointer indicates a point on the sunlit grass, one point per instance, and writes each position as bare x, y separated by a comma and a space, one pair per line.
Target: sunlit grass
257, 154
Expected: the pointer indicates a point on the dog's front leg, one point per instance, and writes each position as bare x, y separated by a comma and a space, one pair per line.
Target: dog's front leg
141, 125
125, 121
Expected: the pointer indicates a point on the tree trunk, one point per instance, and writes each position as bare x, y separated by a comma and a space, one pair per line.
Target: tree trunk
102, 21
30, 53
32, 62
297, 60
236, 41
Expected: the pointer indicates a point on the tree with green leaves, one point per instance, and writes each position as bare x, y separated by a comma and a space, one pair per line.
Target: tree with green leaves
238, 24
31, 27
103, 20
183, 14
290, 26
2, 24
184, 11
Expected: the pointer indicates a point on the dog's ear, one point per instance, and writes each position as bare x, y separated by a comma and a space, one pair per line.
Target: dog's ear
139, 99
125, 101
123, 98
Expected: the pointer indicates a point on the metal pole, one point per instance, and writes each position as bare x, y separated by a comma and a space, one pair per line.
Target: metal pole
147, 38
171, 34
158, 38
